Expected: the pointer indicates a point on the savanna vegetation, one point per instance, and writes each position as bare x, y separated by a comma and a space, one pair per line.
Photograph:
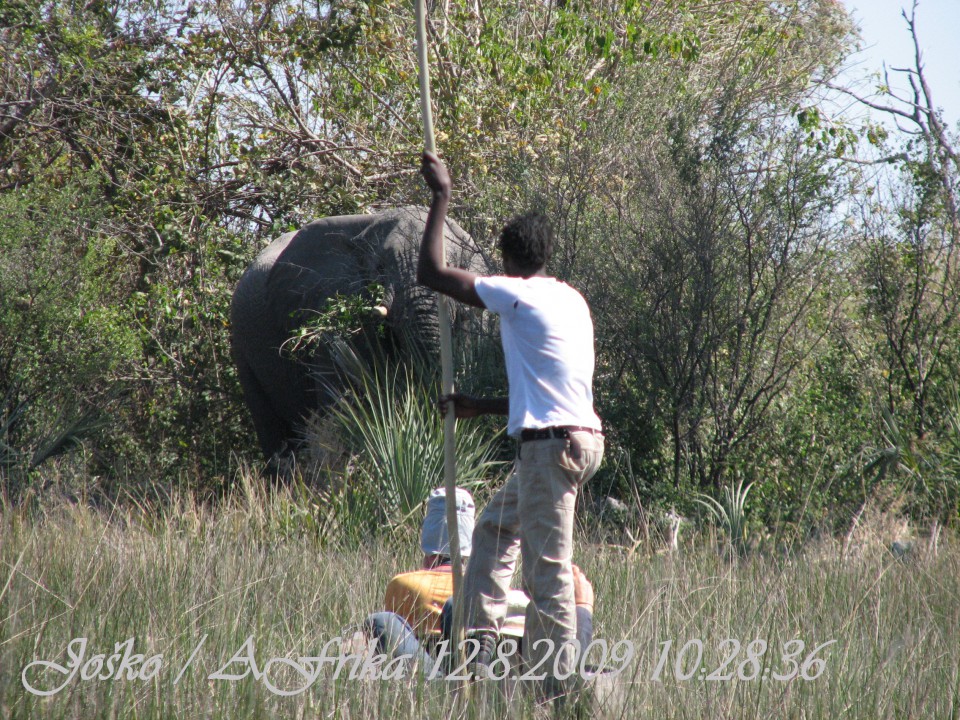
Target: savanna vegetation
773, 281
242, 588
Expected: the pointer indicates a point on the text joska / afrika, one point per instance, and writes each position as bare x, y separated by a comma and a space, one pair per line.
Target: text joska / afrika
125, 664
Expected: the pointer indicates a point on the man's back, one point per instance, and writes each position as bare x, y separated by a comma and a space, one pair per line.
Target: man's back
548, 347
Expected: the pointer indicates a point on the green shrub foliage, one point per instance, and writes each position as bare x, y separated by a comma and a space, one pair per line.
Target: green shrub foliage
773, 285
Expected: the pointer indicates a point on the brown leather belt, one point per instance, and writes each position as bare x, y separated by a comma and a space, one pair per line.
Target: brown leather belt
560, 433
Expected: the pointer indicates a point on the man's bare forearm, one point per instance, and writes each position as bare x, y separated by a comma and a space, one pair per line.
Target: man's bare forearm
431, 250
432, 270
493, 406
468, 406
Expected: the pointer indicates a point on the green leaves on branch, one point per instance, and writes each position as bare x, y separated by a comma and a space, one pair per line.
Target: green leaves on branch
345, 317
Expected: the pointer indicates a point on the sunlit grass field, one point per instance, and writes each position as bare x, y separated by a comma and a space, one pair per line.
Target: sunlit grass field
191, 583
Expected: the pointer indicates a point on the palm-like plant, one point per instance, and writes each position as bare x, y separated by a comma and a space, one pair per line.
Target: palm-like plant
391, 427
730, 514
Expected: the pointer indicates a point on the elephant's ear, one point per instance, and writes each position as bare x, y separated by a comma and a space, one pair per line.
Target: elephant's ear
466, 252
369, 248
319, 262
378, 250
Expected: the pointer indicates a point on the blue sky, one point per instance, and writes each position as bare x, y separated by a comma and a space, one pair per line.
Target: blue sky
887, 39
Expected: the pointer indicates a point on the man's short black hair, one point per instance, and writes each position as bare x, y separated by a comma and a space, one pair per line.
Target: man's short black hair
528, 240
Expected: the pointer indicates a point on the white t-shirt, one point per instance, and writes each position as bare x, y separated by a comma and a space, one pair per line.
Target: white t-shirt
547, 338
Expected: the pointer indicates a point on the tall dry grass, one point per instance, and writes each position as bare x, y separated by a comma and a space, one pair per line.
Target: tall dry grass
170, 576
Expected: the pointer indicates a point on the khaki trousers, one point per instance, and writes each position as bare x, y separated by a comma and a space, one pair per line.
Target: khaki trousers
533, 515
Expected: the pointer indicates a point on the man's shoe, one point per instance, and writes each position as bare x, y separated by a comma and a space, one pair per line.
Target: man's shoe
479, 667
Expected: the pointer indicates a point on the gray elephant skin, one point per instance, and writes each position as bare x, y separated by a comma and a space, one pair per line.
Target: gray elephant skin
296, 275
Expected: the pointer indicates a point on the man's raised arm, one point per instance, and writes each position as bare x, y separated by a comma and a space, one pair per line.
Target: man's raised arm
431, 269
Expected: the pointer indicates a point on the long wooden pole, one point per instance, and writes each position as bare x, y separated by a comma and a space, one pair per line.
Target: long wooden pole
446, 360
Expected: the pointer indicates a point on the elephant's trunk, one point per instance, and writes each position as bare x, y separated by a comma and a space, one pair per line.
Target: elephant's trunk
414, 320
413, 314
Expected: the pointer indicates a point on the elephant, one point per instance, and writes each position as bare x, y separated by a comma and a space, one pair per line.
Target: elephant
296, 275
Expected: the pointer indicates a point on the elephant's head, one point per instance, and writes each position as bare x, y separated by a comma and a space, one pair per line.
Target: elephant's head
295, 278
410, 309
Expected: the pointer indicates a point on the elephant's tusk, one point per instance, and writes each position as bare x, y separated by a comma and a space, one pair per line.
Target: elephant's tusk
379, 311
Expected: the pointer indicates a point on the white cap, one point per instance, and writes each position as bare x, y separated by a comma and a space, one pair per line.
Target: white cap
433, 537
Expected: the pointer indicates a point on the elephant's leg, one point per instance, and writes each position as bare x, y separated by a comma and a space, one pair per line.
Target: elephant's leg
272, 430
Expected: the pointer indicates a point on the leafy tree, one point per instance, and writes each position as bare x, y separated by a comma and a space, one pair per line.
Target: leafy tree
100, 196
906, 234
63, 329
696, 208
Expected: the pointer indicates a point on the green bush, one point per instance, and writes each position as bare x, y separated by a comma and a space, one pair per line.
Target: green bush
390, 437
65, 334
